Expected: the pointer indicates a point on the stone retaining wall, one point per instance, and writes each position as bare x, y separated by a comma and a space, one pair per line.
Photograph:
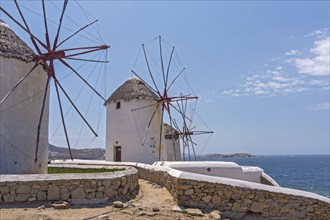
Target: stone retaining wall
20, 188
237, 199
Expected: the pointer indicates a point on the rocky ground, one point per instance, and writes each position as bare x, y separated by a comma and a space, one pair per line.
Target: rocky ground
152, 202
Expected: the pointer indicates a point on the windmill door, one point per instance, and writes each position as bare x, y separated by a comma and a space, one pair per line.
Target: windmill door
117, 154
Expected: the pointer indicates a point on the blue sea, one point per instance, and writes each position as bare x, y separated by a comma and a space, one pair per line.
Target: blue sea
304, 172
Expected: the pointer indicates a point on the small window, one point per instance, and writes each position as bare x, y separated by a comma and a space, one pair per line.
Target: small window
118, 105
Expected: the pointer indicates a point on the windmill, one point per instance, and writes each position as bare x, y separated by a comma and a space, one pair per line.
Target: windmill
55, 58
187, 132
160, 78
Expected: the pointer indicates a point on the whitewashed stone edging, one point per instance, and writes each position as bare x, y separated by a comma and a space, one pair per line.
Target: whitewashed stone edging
32, 187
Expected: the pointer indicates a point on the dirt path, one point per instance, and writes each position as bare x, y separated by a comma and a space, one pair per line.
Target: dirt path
152, 202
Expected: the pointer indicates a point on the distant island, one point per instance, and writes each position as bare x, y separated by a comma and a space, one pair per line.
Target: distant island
236, 155
56, 153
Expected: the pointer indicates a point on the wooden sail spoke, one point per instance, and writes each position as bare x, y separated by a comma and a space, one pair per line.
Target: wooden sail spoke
93, 49
75, 107
149, 70
45, 22
65, 3
193, 144
144, 82
75, 33
33, 37
168, 68
147, 106
67, 65
63, 121
27, 27
173, 81
87, 60
146, 132
176, 99
161, 59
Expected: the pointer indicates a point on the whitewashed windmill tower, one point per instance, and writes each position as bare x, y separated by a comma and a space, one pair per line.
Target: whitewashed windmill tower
172, 143
19, 114
130, 134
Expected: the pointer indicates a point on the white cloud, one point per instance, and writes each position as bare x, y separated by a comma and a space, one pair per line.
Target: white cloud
319, 82
280, 78
319, 65
319, 106
298, 74
292, 52
322, 33
275, 82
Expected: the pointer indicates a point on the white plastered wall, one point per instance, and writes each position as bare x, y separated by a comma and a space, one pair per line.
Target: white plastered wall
217, 168
19, 117
171, 151
127, 128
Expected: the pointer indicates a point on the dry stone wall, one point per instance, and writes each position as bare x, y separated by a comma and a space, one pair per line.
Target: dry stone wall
21, 188
237, 199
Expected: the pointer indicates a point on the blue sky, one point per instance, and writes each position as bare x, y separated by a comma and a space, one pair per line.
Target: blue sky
261, 69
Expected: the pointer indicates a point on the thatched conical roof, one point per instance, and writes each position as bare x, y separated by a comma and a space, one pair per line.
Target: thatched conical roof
11, 46
133, 88
170, 132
